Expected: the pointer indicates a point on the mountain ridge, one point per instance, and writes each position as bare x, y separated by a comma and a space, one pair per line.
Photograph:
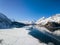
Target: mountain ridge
54, 18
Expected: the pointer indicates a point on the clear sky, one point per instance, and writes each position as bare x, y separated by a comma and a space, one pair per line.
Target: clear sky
29, 9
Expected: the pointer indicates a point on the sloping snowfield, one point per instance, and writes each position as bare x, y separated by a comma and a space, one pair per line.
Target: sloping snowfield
17, 36
26, 36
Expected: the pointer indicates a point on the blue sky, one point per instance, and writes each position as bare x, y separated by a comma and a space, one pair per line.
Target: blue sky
29, 9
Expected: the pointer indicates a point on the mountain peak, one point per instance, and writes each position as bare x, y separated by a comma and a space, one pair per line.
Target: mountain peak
54, 18
4, 21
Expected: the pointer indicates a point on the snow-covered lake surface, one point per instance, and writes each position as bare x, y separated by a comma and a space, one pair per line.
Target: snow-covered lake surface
26, 36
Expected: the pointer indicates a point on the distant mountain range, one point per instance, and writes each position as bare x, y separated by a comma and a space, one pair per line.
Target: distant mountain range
54, 18
51, 23
5, 22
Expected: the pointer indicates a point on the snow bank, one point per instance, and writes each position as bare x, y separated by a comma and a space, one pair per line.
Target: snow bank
18, 36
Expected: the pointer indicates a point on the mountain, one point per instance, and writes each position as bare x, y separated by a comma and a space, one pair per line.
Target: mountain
4, 21
17, 24
54, 18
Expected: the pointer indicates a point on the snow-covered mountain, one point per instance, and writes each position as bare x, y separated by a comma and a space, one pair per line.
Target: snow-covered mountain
4, 21
54, 18
26, 35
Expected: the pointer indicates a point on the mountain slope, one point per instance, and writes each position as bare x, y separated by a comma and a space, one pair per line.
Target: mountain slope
55, 18
4, 21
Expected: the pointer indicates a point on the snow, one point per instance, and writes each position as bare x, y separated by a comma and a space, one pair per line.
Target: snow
4, 18
4, 21
54, 18
43, 21
17, 36
20, 36
57, 33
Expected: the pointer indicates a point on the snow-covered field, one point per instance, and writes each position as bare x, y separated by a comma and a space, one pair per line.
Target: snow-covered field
17, 36
21, 36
